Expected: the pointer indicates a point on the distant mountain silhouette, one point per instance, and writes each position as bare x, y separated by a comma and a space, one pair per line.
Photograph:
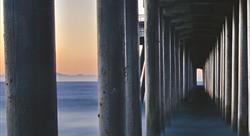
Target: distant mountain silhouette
74, 78
1, 78
69, 78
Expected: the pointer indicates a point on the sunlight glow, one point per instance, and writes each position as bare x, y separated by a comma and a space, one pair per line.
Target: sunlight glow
76, 36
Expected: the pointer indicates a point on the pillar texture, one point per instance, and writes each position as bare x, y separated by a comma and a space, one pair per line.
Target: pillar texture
167, 72
111, 67
152, 67
242, 67
235, 55
30, 67
133, 108
228, 68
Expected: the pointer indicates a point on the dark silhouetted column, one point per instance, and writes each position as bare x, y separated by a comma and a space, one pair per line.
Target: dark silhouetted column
235, 27
152, 67
242, 67
111, 66
167, 72
133, 110
228, 68
30, 67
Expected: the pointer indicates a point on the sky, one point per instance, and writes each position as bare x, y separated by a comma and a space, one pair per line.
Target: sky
199, 73
1, 38
76, 36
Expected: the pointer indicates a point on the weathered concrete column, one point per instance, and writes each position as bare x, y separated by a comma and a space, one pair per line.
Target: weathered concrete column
224, 72
217, 94
222, 79
178, 70
214, 73
161, 72
248, 57
193, 77
235, 27
210, 74
133, 108
167, 72
111, 66
218, 71
228, 68
30, 67
173, 71
242, 67
181, 70
188, 72
184, 72
210, 64
152, 67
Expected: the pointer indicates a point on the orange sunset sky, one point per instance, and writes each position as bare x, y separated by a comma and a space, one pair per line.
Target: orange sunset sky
75, 36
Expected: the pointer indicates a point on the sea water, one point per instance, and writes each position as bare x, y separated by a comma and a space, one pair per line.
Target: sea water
77, 109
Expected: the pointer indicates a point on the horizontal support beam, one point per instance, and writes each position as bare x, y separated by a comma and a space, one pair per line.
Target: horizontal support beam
209, 26
197, 2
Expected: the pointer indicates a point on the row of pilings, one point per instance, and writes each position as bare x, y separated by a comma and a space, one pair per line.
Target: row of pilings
169, 72
226, 69
31, 68
168, 69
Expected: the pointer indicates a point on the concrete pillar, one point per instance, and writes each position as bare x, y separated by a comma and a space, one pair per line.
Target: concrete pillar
218, 71
178, 70
167, 72
186, 71
111, 66
189, 74
30, 67
161, 72
210, 65
222, 79
152, 67
211, 73
173, 71
183, 72
214, 73
133, 108
242, 67
235, 27
248, 57
194, 77
228, 68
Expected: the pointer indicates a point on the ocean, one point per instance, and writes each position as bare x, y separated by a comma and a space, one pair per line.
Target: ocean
77, 109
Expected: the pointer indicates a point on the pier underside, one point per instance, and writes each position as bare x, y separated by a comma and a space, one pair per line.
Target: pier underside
198, 116
178, 37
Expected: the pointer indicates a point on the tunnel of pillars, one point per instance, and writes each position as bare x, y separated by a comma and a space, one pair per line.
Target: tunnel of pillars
180, 36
